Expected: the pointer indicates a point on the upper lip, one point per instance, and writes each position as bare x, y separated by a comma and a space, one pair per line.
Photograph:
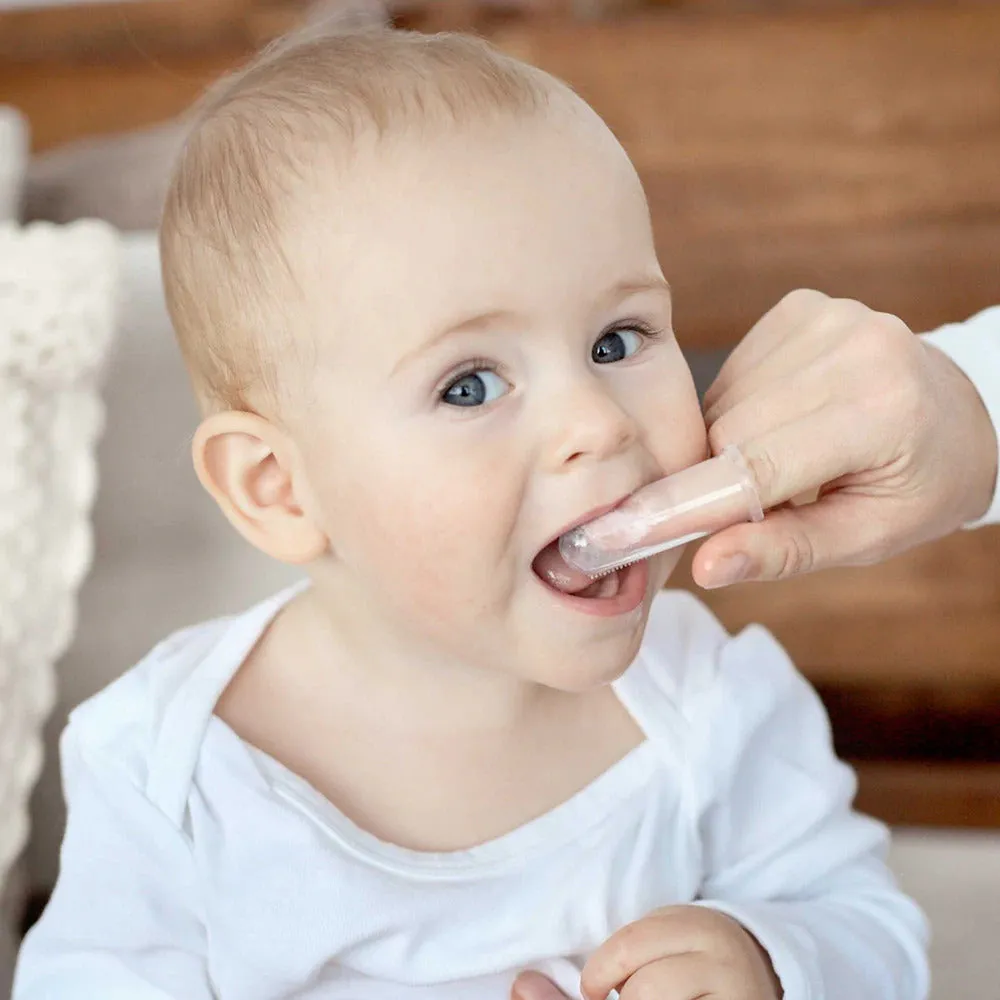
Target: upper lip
589, 516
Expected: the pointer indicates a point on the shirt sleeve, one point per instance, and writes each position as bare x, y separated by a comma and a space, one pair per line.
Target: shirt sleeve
785, 854
975, 347
122, 922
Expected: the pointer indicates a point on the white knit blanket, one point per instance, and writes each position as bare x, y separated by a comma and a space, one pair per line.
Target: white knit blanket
58, 294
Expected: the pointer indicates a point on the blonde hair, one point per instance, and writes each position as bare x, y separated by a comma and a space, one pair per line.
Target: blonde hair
254, 140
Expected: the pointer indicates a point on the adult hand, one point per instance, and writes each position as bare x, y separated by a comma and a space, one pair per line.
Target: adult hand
827, 395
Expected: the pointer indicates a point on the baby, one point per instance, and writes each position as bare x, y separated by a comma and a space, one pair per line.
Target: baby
416, 286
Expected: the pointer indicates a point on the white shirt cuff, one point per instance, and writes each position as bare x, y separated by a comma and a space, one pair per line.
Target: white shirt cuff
975, 347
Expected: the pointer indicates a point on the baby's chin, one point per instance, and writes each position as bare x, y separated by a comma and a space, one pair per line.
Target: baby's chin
601, 667
612, 658
581, 663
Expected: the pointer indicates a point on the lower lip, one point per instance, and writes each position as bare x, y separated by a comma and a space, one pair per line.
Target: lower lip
632, 585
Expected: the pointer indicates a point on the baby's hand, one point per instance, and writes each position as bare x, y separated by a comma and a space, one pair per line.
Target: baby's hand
681, 953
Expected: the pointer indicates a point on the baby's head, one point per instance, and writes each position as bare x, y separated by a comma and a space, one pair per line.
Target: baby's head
416, 286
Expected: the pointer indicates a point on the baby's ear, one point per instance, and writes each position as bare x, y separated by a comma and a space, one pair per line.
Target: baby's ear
248, 466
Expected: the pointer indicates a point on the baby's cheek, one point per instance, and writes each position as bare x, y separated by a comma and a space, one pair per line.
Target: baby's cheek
441, 554
431, 528
678, 438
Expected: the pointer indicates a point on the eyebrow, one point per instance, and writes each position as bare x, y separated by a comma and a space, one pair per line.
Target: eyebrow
634, 287
619, 291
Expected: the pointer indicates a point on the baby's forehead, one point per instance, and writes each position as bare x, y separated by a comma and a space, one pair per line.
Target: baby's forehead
520, 222
239, 209
487, 182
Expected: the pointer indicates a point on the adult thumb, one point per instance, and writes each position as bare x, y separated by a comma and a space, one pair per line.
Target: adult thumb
534, 986
836, 530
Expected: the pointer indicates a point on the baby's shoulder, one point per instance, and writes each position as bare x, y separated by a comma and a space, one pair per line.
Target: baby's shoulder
682, 643
124, 724
687, 651
680, 625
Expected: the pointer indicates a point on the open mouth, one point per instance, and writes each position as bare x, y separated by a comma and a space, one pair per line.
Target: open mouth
618, 592
550, 567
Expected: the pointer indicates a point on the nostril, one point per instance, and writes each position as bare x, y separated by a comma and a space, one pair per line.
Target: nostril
596, 427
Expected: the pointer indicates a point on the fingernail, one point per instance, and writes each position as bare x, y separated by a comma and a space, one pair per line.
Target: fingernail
729, 570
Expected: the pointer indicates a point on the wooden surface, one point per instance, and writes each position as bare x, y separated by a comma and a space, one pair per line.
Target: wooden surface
69, 101
907, 659
854, 149
128, 29
931, 795
851, 149
101, 30
931, 616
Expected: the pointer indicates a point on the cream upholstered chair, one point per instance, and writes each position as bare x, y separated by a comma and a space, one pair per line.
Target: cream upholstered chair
13, 157
58, 294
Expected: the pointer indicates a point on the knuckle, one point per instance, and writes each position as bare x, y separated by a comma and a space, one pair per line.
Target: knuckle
884, 362
704, 918
891, 327
648, 987
842, 317
796, 557
804, 299
881, 337
718, 436
622, 946
764, 471
721, 931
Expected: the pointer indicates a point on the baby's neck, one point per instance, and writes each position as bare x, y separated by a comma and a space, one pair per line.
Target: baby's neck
427, 755
418, 691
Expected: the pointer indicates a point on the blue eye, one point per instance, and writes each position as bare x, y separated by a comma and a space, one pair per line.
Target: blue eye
616, 345
475, 389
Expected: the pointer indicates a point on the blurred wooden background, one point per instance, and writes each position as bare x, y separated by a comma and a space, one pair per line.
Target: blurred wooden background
851, 146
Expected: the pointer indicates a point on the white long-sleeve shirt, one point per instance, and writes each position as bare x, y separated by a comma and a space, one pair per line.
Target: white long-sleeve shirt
975, 347
195, 866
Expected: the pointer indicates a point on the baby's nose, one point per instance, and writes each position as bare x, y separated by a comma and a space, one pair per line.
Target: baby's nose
593, 425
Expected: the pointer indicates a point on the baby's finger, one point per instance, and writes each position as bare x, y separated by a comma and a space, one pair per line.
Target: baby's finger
669, 932
534, 986
679, 977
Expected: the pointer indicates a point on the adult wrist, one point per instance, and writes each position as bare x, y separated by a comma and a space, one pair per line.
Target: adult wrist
973, 348
981, 443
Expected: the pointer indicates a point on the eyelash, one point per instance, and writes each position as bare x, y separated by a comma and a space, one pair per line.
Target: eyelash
648, 332
470, 367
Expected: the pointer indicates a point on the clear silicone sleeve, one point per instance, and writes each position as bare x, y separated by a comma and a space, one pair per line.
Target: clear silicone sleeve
680, 508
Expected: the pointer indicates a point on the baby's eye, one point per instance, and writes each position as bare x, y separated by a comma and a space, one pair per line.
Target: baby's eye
475, 389
616, 345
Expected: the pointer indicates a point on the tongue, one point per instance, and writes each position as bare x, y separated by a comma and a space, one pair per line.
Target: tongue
552, 568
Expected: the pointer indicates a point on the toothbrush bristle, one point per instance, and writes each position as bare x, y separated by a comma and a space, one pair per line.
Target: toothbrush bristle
614, 567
